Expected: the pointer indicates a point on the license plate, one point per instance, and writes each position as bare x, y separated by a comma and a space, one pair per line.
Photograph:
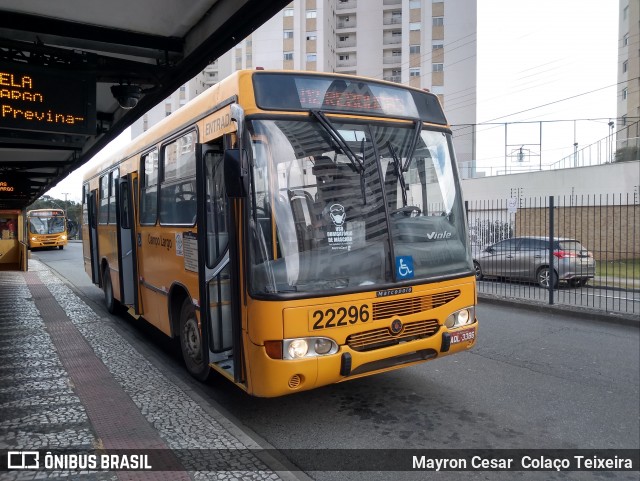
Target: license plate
464, 335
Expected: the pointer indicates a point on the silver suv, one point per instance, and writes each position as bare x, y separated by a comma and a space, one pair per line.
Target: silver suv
527, 258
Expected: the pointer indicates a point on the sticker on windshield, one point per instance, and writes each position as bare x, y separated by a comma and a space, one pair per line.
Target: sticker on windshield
338, 236
404, 267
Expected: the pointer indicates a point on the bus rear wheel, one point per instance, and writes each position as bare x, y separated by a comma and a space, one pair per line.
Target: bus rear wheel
109, 301
191, 342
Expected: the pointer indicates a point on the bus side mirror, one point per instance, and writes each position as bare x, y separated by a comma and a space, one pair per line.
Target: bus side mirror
235, 174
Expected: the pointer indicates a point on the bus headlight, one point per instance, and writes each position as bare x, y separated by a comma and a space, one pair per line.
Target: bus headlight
461, 318
33, 239
63, 237
298, 348
303, 347
323, 345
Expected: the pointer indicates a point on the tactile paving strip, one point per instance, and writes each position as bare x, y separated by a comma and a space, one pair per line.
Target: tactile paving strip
115, 418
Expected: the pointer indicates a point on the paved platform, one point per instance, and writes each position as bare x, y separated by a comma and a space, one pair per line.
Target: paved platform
71, 385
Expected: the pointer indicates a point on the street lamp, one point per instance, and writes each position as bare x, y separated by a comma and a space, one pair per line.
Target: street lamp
611, 153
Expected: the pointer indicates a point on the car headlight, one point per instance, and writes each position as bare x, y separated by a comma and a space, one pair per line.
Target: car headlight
461, 318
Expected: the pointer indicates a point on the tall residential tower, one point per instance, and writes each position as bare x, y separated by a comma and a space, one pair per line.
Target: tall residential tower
429, 44
628, 110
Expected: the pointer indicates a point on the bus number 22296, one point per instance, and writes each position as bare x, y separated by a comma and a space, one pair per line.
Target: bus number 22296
339, 317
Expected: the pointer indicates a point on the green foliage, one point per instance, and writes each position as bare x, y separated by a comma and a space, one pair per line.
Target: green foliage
625, 154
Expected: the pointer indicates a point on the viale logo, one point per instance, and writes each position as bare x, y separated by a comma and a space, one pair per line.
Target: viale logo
439, 235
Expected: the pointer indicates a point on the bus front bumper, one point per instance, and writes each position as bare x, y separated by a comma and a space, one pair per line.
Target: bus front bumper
277, 377
49, 241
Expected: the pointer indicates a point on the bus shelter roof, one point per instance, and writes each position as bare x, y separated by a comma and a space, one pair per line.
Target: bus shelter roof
57, 56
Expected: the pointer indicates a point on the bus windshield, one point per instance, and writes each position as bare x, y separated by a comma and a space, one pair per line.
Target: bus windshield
353, 205
46, 225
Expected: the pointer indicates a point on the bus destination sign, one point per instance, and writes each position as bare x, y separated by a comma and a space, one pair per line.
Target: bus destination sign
39, 98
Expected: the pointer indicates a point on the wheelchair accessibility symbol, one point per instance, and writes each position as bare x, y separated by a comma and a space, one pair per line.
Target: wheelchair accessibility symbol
404, 267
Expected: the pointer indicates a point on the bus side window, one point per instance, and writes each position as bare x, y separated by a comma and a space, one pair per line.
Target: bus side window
178, 186
113, 180
103, 211
217, 231
149, 188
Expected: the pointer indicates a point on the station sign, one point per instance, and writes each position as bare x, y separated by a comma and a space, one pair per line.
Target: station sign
46, 99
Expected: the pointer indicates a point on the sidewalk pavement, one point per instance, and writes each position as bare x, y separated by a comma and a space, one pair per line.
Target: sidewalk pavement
70, 384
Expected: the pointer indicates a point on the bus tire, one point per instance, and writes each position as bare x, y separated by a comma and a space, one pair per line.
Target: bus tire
109, 301
60, 247
191, 342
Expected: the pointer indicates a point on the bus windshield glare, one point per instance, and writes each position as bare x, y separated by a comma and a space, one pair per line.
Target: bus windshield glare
342, 206
46, 224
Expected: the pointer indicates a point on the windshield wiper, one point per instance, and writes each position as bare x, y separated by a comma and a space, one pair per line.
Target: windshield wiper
399, 173
339, 140
414, 144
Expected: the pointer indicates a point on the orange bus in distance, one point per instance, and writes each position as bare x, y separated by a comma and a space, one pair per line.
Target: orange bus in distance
47, 228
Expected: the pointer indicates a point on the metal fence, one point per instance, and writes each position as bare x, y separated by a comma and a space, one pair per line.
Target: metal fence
510, 240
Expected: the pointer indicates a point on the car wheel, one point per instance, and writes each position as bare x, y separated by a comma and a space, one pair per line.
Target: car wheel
478, 270
191, 342
544, 276
109, 301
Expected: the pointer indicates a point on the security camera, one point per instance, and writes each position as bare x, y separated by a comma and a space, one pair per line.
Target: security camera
126, 95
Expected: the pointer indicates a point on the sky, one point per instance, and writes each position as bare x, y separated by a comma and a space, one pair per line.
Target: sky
530, 53
536, 53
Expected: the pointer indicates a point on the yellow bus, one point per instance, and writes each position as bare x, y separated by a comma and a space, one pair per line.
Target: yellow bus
47, 228
292, 229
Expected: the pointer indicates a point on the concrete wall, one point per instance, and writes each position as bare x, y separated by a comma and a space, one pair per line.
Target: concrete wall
598, 205
617, 178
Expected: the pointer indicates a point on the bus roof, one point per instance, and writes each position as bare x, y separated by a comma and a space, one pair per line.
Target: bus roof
228, 90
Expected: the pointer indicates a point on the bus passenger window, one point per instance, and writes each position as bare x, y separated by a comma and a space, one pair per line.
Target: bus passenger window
103, 212
149, 188
113, 180
178, 186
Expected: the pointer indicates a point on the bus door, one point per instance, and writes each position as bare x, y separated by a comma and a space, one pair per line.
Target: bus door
220, 305
126, 237
93, 236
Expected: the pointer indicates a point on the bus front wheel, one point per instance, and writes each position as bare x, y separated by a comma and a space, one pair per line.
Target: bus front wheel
191, 342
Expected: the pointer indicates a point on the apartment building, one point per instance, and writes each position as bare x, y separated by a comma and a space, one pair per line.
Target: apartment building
628, 108
429, 44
